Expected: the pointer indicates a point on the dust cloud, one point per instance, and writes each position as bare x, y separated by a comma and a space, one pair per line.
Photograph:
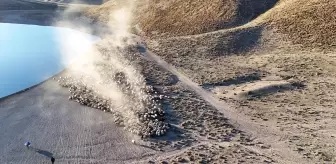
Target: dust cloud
103, 76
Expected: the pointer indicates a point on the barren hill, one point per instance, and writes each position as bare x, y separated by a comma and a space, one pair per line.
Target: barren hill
299, 21
310, 22
187, 17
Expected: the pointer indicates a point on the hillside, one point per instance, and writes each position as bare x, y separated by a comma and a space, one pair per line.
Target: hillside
290, 26
311, 22
300, 21
186, 17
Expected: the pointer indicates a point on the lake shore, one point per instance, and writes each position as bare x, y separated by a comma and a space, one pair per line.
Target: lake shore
43, 115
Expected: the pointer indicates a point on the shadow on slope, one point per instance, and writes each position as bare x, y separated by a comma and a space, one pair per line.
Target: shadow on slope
238, 42
234, 81
269, 89
249, 10
42, 152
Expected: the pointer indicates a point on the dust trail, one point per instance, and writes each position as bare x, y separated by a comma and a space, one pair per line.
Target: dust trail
104, 75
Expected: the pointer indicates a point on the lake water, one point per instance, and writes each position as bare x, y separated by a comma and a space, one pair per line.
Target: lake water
31, 54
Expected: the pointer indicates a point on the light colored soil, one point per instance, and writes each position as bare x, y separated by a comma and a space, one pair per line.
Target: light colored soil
253, 89
266, 134
283, 43
303, 113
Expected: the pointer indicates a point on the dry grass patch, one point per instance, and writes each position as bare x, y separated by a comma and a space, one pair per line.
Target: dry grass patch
310, 23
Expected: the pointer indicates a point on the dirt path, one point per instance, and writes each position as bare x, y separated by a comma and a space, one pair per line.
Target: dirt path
261, 133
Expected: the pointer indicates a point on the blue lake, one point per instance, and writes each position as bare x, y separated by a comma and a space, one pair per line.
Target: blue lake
31, 54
